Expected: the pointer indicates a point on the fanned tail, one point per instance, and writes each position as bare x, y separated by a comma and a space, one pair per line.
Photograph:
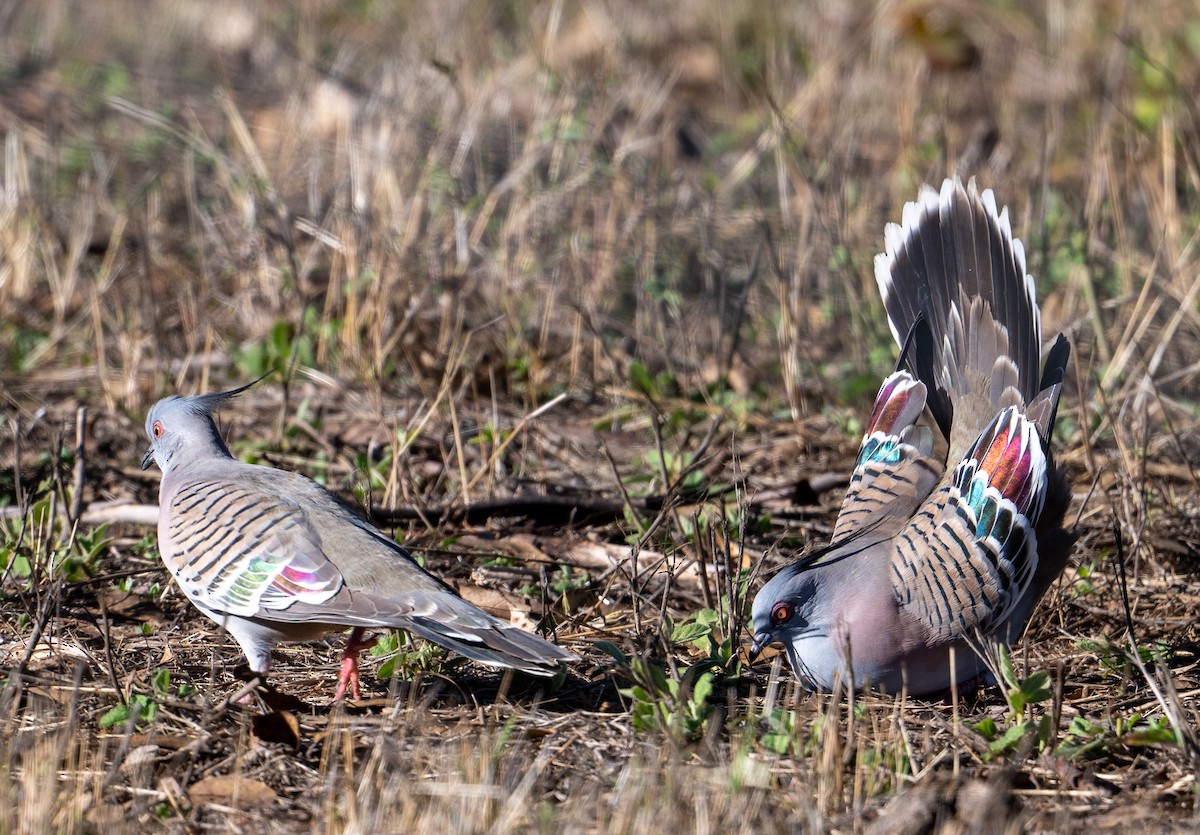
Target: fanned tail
955, 268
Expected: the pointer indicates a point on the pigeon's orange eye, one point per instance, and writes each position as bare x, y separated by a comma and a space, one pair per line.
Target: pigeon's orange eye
157, 429
782, 612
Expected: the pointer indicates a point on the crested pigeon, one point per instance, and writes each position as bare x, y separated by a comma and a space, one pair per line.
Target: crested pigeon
951, 529
272, 556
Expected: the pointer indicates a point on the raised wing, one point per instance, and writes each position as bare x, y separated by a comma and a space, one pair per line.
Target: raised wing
963, 563
895, 470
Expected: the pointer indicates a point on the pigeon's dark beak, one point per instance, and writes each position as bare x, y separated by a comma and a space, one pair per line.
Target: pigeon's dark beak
757, 644
148, 458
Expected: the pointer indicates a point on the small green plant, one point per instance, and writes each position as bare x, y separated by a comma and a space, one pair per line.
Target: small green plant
702, 632
375, 468
1114, 658
489, 435
562, 582
1021, 697
1086, 739
147, 548
145, 706
42, 546
275, 351
674, 704
693, 629
565, 579
711, 515
404, 654
161, 682
84, 554
782, 732
653, 386
677, 707
1083, 585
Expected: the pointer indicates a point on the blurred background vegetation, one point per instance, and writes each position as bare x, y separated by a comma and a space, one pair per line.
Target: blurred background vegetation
562, 189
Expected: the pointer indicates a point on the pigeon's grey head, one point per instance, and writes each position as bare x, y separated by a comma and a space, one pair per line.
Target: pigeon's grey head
181, 427
790, 608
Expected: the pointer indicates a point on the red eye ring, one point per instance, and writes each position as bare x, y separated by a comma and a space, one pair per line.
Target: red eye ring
157, 429
782, 612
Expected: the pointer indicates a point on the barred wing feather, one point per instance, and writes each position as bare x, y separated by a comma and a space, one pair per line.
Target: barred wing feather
968, 557
240, 551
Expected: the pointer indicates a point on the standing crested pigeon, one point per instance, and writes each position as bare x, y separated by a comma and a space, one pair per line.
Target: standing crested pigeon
951, 529
272, 556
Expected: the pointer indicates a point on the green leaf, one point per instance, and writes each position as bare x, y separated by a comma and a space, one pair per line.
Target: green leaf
1151, 735
1080, 726
117, 716
385, 645
689, 631
146, 707
162, 680
1037, 688
986, 728
1009, 740
640, 379
1006, 670
777, 742
1045, 732
612, 650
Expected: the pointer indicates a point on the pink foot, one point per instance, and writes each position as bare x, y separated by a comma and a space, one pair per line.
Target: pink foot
348, 677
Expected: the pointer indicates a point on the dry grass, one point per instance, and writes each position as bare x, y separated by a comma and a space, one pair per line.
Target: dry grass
579, 250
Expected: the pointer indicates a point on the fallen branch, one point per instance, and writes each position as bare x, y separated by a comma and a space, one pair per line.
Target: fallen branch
537, 508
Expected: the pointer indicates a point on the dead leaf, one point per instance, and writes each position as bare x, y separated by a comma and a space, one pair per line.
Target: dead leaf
139, 764
49, 651
495, 602
108, 816
230, 790
130, 606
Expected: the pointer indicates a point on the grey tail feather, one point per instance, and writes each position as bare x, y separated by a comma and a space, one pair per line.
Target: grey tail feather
498, 645
1043, 409
462, 627
918, 353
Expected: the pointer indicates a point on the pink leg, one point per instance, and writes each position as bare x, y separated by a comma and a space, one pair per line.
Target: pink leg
348, 677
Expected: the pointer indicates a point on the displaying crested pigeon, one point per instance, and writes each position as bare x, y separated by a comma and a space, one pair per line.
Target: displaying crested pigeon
951, 529
272, 556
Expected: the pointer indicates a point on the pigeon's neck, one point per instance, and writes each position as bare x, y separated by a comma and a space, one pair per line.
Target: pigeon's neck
197, 448
205, 449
